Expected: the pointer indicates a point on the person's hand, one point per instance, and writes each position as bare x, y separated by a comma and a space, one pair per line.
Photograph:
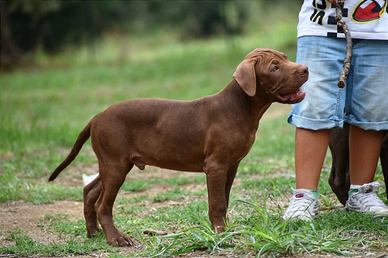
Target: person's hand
333, 1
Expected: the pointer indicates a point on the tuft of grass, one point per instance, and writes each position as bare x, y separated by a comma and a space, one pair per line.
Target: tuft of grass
263, 233
201, 237
269, 234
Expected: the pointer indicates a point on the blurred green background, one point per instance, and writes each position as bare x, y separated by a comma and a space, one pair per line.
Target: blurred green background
69, 60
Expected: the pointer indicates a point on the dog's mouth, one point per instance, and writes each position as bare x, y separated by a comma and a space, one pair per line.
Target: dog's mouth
293, 97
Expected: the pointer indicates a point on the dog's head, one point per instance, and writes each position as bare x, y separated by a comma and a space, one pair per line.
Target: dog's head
266, 71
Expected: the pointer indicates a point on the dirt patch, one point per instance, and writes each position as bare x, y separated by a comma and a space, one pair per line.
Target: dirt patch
26, 216
22, 215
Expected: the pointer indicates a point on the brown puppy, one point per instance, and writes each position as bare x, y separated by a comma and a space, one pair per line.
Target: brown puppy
211, 134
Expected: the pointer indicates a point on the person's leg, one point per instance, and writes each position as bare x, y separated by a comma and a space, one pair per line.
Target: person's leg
367, 114
364, 151
321, 110
310, 152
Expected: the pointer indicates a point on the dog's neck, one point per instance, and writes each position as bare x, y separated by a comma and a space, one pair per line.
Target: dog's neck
256, 105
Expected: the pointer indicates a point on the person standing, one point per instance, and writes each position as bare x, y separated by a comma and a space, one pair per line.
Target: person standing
362, 103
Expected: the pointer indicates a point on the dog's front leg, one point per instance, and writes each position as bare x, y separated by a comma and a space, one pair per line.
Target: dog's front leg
229, 181
216, 180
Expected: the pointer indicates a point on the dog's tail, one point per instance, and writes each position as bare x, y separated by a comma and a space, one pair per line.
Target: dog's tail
82, 138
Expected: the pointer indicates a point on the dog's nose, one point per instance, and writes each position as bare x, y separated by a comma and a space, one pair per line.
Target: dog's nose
303, 70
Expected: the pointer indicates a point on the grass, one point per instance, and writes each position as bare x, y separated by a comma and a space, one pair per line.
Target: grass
44, 108
26, 246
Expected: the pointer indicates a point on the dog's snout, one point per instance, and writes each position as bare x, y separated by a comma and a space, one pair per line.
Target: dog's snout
303, 70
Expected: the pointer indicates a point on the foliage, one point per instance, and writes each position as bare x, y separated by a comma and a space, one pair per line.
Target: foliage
52, 24
32, 26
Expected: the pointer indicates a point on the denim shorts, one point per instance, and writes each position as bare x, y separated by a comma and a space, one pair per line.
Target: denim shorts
363, 101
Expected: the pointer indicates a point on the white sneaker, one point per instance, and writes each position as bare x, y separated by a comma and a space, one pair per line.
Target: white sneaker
367, 201
303, 206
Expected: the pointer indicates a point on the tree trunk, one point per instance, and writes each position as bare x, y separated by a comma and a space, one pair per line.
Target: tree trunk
9, 54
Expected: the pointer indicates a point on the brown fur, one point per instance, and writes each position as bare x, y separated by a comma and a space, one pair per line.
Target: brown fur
211, 134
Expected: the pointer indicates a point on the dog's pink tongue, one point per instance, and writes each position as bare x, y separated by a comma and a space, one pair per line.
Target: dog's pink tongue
298, 94
295, 96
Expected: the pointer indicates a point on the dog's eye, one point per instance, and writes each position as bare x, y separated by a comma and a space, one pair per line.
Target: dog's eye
274, 69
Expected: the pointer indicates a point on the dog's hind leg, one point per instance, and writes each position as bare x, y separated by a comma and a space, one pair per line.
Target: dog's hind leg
91, 193
112, 179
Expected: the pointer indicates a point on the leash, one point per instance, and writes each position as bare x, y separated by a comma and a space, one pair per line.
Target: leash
348, 57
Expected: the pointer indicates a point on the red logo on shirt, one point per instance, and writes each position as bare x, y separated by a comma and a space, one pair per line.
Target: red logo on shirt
369, 10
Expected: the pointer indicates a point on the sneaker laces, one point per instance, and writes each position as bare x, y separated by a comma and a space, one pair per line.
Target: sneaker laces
374, 185
370, 198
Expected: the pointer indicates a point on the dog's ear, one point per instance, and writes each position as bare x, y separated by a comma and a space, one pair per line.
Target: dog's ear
245, 75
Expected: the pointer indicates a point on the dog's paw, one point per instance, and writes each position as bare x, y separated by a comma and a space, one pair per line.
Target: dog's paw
121, 241
219, 229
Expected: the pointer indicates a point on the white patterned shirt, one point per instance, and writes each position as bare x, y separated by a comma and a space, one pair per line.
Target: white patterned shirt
366, 19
